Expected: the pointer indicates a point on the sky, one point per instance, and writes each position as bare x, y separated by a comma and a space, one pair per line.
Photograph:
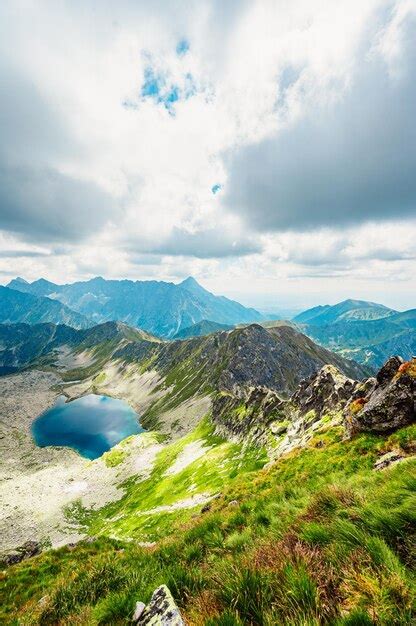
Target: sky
265, 147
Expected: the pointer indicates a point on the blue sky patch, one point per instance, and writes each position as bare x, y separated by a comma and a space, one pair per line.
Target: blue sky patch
182, 47
152, 84
156, 86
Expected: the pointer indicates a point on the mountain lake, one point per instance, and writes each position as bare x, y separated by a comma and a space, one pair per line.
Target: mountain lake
91, 425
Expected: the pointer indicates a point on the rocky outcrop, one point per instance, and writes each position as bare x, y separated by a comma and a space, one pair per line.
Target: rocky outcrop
386, 403
25, 551
161, 610
257, 412
247, 412
325, 391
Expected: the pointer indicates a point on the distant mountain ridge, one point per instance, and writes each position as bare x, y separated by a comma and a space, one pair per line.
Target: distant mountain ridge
277, 357
348, 311
364, 331
17, 306
158, 307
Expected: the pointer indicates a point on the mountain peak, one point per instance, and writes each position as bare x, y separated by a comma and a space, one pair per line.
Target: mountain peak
191, 281
190, 284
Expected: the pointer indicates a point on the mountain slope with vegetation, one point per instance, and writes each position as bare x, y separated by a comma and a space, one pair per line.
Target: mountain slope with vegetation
348, 311
200, 329
323, 535
158, 307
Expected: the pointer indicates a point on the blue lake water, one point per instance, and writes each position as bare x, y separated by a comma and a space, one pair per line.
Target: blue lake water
91, 424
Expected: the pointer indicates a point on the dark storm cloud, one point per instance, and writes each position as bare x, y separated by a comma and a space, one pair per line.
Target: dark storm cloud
38, 202
352, 162
44, 205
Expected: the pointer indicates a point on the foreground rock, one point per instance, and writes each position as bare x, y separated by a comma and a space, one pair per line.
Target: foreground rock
386, 403
161, 610
25, 551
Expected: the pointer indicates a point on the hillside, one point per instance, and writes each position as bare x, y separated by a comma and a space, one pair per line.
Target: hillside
278, 357
323, 535
158, 307
24, 344
17, 306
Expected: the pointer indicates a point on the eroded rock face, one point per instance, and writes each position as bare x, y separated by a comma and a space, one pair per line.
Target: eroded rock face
257, 412
325, 391
389, 404
161, 610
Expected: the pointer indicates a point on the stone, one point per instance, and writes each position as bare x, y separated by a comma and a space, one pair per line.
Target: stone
389, 369
25, 551
161, 610
388, 459
233, 503
138, 611
325, 391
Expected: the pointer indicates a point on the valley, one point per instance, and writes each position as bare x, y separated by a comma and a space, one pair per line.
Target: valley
171, 385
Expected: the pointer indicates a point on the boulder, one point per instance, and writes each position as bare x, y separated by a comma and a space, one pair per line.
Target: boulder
389, 405
389, 370
161, 610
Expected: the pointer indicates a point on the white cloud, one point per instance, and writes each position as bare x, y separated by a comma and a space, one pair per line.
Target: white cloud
253, 70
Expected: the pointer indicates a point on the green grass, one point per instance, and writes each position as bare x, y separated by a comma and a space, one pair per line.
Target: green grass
131, 516
317, 538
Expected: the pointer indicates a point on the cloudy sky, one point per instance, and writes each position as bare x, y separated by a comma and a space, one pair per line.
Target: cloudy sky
268, 148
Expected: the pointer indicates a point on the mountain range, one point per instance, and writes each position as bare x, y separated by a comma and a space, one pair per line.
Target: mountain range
278, 357
17, 306
364, 331
158, 307
367, 332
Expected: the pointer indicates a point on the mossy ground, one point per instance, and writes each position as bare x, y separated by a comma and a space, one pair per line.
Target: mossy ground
319, 537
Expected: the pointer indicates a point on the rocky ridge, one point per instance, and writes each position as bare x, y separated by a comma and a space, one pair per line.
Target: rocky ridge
378, 405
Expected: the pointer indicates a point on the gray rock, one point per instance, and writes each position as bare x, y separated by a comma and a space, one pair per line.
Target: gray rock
25, 551
389, 370
161, 610
389, 406
325, 391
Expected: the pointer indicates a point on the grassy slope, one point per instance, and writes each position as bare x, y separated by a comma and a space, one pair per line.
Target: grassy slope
129, 517
317, 538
